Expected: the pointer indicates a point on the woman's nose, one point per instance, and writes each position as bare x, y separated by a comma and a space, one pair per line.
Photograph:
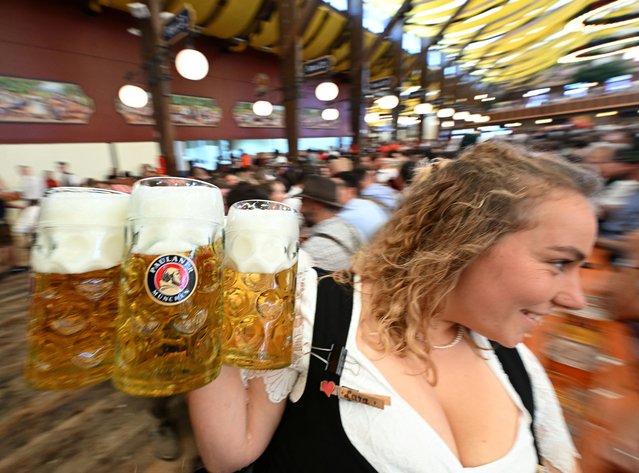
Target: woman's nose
571, 294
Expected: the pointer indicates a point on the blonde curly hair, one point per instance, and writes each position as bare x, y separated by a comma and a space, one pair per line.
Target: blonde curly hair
453, 211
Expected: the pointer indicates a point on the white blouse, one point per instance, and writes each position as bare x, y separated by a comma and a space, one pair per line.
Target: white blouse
397, 439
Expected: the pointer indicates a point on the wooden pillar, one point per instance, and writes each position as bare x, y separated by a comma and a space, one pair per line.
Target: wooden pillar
396, 37
423, 83
290, 67
359, 71
155, 56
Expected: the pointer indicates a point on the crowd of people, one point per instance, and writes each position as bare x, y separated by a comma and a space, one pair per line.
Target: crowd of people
26, 198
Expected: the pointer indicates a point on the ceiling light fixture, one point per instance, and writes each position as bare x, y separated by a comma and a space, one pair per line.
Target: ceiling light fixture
330, 114
606, 114
326, 91
445, 112
371, 117
423, 108
262, 108
191, 64
133, 96
532, 93
581, 54
580, 24
388, 102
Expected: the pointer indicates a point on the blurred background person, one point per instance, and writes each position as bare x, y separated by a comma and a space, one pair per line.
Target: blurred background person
365, 215
330, 241
66, 177
49, 180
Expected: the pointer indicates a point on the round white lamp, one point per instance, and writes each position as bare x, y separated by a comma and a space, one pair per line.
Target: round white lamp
423, 108
326, 91
330, 114
371, 117
445, 112
133, 96
407, 120
191, 64
262, 108
388, 102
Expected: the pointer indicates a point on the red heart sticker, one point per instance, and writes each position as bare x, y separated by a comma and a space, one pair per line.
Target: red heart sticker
327, 387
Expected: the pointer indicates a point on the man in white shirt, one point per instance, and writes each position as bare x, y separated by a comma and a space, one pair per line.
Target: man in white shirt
31, 187
67, 178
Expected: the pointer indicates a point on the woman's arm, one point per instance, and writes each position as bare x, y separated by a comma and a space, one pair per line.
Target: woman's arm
233, 424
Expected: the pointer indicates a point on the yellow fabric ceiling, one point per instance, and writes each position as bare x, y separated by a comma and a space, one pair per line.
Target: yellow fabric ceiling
498, 41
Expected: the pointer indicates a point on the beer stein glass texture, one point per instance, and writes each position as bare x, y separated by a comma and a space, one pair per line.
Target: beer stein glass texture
260, 272
76, 260
169, 320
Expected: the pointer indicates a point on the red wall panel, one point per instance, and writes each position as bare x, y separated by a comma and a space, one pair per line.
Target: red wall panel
61, 41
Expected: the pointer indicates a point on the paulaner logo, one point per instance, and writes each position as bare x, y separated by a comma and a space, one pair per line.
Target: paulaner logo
171, 279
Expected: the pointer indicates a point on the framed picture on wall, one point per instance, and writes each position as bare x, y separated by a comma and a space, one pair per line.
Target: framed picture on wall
186, 110
41, 101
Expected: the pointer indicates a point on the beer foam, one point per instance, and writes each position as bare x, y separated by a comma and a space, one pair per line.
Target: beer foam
177, 202
84, 208
80, 232
261, 241
169, 219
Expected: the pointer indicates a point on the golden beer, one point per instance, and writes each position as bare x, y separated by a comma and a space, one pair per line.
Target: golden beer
260, 273
170, 306
71, 328
76, 259
258, 318
164, 349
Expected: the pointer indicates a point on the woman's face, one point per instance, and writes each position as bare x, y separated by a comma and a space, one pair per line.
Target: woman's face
504, 292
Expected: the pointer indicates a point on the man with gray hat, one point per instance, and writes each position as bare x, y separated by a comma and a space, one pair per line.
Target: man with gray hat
331, 241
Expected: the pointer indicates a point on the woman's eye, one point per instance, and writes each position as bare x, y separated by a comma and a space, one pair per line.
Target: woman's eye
560, 264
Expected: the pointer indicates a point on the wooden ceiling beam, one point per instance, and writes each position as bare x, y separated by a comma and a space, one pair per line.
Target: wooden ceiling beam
310, 7
302, 21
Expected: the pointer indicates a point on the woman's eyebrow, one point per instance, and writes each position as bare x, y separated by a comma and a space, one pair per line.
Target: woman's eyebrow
576, 254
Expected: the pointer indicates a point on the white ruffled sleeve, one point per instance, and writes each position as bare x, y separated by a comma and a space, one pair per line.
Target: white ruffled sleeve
553, 437
291, 381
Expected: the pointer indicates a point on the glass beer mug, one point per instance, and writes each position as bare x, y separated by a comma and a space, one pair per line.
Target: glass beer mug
260, 272
169, 320
76, 260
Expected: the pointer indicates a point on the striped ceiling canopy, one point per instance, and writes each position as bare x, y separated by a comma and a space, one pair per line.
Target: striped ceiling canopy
505, 43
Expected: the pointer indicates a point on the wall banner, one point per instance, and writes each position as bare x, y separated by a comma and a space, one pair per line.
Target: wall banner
312, 118
185, 110
41, 101
245, 118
